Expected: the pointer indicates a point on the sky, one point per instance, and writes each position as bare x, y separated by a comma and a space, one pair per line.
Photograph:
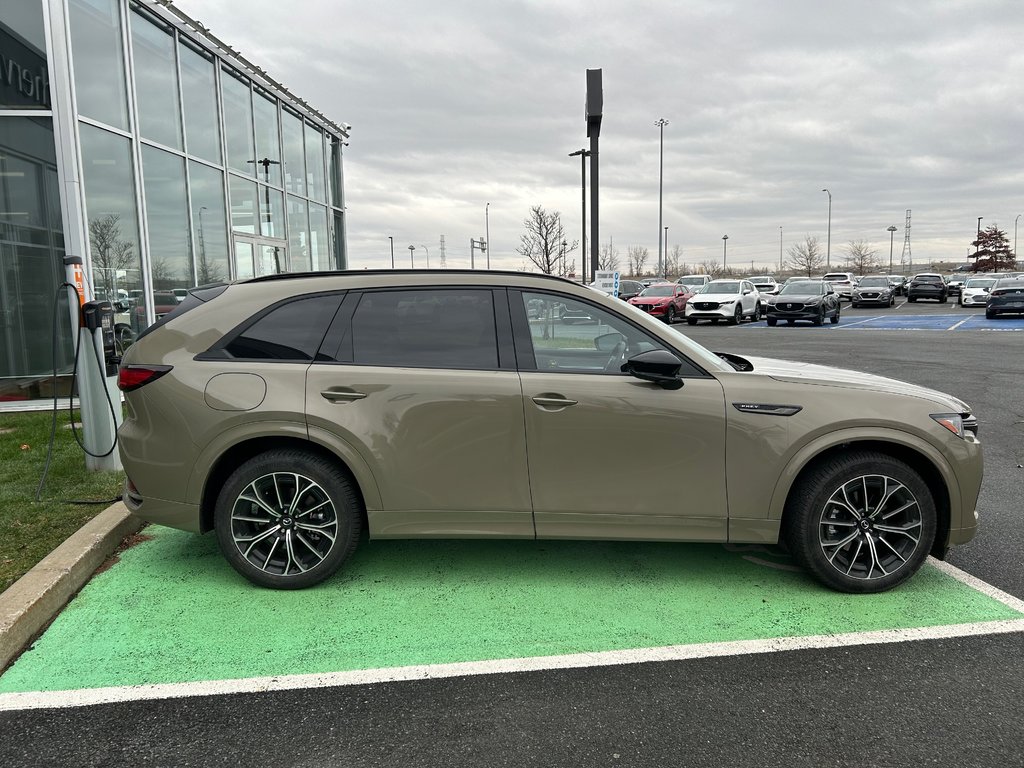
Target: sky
457, 104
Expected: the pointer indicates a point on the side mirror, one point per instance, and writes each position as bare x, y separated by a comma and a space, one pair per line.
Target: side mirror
607, 342
658, 366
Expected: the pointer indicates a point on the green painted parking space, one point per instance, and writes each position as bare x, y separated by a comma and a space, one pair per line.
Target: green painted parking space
172, 611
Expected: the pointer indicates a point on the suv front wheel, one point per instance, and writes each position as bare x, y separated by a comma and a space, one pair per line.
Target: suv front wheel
860, 522
287, 519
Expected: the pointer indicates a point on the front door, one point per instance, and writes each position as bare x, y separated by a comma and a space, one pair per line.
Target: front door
612, 456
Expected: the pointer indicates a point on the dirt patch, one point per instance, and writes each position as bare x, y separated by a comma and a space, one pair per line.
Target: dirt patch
130, 541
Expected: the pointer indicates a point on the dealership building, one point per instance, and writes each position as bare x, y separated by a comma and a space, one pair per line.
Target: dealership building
133, 137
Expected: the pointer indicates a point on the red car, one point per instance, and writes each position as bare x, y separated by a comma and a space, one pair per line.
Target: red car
664, 300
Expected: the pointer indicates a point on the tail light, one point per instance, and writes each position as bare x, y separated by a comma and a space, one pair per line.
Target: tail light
131, 377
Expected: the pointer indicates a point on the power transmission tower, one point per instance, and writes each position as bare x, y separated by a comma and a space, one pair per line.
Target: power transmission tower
905, 257
444, 262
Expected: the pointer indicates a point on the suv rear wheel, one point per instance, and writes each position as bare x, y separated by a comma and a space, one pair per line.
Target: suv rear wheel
287, 519
860, 522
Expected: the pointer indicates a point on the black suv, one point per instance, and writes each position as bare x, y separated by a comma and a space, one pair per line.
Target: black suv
927, 285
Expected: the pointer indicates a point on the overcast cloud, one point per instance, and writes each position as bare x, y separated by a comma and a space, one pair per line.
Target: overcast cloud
455, 104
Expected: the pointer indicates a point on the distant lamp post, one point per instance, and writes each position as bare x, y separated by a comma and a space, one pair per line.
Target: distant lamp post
392, 239
780, 250
892, 231
412, 261
977, 244
828, 241
661, 123
583, 155
428, 255
666, 254
487, 234
1015, 236
725, 253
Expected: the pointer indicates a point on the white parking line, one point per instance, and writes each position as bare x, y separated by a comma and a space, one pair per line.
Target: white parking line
954, 327
858, 322
93, 696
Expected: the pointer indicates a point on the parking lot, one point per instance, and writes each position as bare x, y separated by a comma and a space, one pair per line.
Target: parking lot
654, 651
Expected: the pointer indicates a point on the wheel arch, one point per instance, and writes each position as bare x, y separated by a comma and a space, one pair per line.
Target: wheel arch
236, 455
925, 460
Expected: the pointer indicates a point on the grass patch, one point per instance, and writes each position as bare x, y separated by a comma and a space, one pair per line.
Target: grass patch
30, 529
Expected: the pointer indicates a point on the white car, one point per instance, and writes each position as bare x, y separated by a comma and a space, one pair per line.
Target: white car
729, 300
843, 283
766, 284
694, 281
975, 291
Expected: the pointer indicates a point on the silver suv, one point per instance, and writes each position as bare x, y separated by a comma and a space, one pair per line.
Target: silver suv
290, 413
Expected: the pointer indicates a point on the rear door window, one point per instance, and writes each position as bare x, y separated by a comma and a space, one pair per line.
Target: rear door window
435, 328
291, 331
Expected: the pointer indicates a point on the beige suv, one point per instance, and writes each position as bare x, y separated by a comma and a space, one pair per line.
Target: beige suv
289, 413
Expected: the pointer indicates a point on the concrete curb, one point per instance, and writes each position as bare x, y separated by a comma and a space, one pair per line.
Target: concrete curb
38, 596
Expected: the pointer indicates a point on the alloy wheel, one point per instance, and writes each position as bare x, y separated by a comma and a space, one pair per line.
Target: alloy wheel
284, 523
870, 527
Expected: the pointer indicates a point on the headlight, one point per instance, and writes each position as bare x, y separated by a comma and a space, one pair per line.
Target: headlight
954, 422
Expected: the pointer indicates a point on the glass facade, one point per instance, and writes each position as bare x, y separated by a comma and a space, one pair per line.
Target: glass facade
193, 170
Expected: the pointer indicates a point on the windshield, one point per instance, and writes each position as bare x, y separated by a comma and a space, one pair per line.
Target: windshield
691, 281
806, 288
928, 278
874, 282
721, 286
660, 290
979, 282
836, 276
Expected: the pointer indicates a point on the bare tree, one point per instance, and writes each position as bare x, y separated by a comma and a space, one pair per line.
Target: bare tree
608, 259
861, 258
712, 268
636, 257
805, 257
674, 264
110, 254
544, 243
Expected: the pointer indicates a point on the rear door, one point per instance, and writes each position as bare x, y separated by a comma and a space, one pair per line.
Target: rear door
416, 383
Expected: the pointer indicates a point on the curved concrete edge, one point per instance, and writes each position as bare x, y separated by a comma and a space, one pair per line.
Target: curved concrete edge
38, 596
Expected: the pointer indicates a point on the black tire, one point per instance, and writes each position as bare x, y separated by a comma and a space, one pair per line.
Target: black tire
814, 527
276, 477
757, 313
737, 316
691, 321
892, 301
911, 299
855, 305
990, 315
835, 317
942, 300
772, 321
820, 319
670, 315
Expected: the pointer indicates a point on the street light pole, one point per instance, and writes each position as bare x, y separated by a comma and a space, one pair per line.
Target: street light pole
891, 230
725, 253
661, 123
977, 244
780, 250
584, 154
665, 276
412, 261
1015, 236
487, 234
428, 255
828, 242
392, 239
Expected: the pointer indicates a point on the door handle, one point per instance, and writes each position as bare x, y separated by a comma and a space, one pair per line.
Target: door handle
553, 401
338, 395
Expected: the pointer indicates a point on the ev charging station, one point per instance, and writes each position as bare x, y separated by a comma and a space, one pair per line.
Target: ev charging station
96, 371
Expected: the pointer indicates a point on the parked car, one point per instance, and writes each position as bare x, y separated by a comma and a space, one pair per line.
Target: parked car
1005, 297
873, 289
927, 285
812, 300
899, 284
955, 283
765, 284
288, 413
729, 300
694, 281
627, 289
842, 282
665, 300
975, 291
